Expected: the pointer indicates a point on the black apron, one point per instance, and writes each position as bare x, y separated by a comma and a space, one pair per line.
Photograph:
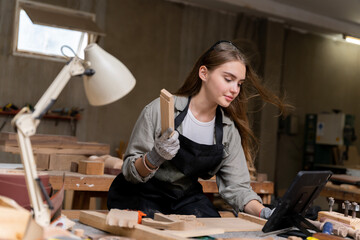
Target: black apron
194, 160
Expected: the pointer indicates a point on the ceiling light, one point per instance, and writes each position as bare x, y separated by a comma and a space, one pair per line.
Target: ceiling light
352, 39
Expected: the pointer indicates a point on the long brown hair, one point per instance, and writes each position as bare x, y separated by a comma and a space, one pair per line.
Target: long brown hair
220, 53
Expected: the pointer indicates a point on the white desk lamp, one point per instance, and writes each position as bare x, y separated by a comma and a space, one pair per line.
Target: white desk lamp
106, 80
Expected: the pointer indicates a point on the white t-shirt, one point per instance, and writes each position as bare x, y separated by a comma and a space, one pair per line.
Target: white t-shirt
199, 132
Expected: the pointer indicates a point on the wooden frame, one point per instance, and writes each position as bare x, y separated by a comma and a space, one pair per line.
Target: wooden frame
167, 110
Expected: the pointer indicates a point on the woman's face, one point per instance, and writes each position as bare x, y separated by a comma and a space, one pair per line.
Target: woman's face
222, 84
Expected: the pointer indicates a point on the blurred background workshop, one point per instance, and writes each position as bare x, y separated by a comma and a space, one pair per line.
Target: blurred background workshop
306, 51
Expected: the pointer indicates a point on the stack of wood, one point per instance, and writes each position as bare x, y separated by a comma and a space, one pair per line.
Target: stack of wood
342, 225
55, 152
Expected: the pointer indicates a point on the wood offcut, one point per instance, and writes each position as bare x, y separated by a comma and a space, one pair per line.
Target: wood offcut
90, 167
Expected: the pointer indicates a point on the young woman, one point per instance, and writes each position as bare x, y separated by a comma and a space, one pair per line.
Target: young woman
212, 137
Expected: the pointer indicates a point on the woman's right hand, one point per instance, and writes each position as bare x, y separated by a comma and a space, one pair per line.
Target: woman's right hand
165, 148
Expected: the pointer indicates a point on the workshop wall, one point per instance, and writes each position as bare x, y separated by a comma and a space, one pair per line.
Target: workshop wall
319, 75
157, 40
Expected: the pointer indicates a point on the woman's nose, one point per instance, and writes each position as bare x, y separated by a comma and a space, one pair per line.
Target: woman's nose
235, 88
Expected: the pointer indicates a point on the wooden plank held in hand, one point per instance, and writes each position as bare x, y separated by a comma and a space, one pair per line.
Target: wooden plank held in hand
167, 110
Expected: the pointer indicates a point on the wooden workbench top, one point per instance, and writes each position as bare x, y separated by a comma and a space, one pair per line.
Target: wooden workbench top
81, 182
341, 192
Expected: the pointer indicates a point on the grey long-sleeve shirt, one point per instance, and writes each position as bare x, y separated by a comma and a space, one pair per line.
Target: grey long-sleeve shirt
232, 175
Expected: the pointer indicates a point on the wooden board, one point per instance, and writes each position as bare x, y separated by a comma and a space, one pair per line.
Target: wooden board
80, 182
63, 162
167, 110
341, 192
173, 222
42, 161
198, 232
252, 218
211, 226
39, 137
176, 225
79, 148
231, 224
343, 178
54, 144
98, 220
190, 226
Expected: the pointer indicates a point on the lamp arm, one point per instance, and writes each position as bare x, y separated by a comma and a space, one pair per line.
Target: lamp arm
26, 122
73, 68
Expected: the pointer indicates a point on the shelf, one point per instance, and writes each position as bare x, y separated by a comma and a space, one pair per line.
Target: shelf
46, 116
72, 119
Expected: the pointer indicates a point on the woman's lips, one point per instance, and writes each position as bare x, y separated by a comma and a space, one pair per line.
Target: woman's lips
229, 98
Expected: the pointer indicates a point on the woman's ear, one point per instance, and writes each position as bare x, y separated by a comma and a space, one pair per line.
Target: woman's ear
203, 73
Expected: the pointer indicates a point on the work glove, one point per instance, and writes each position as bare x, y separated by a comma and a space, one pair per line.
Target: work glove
165, 148
266, 212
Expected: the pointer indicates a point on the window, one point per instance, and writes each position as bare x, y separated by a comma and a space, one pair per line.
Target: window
41, 30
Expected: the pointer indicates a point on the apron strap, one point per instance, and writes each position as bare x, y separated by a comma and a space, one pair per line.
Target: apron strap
218, 126
181, 116
218, 122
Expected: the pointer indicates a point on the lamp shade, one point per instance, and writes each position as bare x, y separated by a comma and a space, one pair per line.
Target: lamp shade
111, 81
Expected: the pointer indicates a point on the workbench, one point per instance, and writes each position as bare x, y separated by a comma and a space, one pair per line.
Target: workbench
232, 235
89, 186
341, 192
97, 232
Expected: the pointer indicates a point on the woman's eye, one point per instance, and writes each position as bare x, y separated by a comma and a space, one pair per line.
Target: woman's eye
228, 80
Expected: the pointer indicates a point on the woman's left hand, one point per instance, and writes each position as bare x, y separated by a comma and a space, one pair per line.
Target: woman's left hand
266, 212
